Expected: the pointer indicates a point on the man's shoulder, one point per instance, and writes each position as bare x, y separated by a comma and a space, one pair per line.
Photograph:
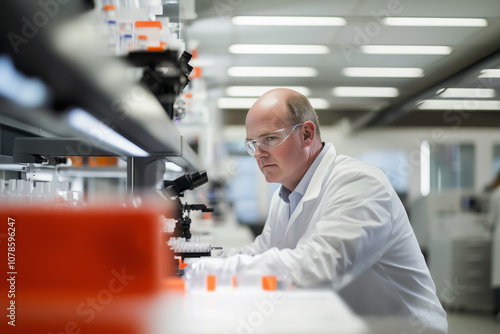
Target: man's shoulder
346, 169
353, 165
343, 167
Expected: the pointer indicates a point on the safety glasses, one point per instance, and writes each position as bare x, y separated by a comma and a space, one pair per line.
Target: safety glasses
270, 140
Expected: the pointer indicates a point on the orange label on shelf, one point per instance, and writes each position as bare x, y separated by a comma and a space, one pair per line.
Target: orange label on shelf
182, 265
103, 161
156, 48
76, 161
196, 73
148, 24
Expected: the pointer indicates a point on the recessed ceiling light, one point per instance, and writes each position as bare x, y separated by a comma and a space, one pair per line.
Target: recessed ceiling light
318, 103
470, 105
235, 102
478, 93
271, 71
491, 73
247, 103
435, 21
407, 49
259, 90
403, 72
288, 21
365, 91
278, 49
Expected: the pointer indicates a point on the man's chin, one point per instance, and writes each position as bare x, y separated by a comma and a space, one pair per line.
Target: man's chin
271, 178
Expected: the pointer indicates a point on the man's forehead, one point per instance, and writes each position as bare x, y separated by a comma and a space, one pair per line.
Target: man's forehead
266, 115
263, 112
257, 129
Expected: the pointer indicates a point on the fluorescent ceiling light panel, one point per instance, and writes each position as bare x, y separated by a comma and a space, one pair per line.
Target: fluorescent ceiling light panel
91, 126
288, 21
259, 90
271, 71
407, 49
247, 103
477, 93
470, 105
491, 73
365, 91
319, 103
394, 72
278, 49
235, 102
435, 22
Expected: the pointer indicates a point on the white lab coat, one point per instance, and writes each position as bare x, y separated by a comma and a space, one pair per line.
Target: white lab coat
494, 219
350, 231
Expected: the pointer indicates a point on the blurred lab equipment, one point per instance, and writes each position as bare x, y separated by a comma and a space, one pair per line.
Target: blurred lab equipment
451, 228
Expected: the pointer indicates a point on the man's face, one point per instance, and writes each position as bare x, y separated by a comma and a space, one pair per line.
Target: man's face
282, 164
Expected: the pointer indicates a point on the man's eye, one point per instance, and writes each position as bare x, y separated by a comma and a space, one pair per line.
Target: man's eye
269, 139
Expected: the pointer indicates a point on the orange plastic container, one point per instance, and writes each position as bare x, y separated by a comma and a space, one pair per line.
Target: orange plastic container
269, 283
87, 268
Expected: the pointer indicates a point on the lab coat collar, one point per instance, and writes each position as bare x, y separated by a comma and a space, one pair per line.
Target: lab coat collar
284, 194
316, 182
314, 188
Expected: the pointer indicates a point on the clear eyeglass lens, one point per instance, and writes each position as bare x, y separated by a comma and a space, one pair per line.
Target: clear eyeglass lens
269, 141
272, 140
250, 145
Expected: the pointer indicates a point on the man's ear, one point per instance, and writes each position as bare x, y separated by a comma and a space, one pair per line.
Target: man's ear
308, 133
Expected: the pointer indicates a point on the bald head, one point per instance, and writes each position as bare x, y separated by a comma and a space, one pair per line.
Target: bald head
278, 95
272, 102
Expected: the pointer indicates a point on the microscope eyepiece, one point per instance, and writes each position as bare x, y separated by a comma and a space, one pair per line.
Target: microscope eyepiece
187, 182
199, 178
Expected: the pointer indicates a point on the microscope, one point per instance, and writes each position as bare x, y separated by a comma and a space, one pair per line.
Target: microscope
165, 75
181, 242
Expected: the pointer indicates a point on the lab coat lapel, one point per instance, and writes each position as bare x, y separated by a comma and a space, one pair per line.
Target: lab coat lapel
314, 188
278, 235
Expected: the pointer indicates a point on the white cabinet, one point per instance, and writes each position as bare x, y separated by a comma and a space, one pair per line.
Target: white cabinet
461, 269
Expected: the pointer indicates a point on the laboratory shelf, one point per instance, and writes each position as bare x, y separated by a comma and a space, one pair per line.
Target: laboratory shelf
79, 76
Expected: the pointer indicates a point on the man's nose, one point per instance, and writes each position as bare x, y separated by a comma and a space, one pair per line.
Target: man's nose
259, 152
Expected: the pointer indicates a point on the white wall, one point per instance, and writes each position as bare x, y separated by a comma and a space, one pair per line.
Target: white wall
408, 140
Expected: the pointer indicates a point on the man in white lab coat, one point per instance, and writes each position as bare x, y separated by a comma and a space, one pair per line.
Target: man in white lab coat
335, 222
